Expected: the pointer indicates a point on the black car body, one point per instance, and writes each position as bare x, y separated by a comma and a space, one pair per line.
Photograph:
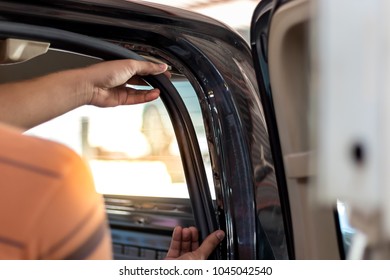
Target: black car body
262, 210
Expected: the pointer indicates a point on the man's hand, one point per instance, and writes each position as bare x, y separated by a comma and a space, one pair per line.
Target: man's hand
105, 83
185, 244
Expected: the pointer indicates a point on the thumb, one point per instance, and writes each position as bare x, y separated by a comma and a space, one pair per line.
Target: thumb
210, 243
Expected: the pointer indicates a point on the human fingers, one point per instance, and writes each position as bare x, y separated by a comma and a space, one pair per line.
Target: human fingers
122, 95
136, 96
99, 81
110, 74
194, 238
187, 239
175, 245
209, 244
143, 68
140, 80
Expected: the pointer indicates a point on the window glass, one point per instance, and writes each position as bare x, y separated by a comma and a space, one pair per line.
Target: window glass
131, 150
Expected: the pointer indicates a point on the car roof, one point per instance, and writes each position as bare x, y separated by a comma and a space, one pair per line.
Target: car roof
127, 6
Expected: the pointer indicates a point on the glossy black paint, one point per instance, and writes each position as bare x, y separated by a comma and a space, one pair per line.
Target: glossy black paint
259, 42
219, 64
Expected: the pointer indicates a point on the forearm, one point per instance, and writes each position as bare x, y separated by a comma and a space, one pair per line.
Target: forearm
29, 103
32, 102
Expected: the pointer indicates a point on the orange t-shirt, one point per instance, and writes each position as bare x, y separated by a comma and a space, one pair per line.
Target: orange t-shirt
49, 208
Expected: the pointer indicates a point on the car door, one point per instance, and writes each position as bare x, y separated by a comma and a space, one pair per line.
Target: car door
280, 48
62, 39
248, 201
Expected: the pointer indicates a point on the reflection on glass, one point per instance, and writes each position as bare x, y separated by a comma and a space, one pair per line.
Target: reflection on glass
131, 150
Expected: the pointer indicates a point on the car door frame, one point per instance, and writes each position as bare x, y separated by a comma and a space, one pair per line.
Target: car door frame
189, 148
319, 233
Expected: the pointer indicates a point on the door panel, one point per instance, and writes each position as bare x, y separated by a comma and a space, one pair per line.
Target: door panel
281, 57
